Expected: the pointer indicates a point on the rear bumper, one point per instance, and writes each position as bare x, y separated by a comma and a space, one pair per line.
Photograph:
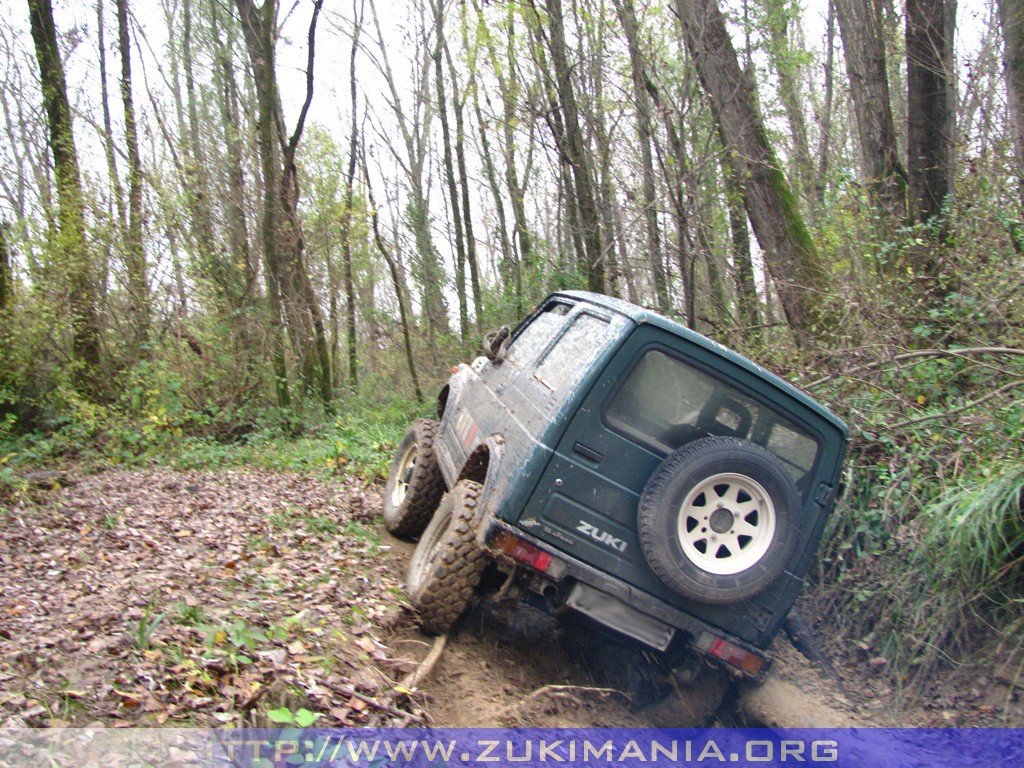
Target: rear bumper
700, 635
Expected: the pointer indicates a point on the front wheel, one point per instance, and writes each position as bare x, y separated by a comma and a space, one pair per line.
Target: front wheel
415, 484
447, 564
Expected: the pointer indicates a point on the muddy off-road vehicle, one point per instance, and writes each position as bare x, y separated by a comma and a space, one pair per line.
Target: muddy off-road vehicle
608, 464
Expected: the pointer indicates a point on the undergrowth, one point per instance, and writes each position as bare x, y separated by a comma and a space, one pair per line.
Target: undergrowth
922, 559
360, 439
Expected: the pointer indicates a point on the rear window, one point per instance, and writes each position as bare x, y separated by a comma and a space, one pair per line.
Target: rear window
665, 402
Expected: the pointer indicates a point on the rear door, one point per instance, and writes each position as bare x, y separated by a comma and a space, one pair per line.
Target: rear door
655, 395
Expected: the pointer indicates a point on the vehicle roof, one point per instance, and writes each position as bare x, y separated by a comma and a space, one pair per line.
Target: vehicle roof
642, 316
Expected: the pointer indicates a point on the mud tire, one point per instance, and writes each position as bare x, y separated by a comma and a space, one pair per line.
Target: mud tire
415, 484
447, 564
718, 520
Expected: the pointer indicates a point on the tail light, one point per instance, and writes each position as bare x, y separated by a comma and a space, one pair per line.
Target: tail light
527, 553
735, 656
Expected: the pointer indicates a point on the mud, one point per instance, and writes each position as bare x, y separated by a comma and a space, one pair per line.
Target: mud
512, 666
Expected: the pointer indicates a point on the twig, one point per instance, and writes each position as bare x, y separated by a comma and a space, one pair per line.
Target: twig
965, 352
382, 706
418, 675
962, 408
253, 699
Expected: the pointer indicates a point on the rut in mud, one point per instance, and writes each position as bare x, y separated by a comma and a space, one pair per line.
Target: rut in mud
512, 666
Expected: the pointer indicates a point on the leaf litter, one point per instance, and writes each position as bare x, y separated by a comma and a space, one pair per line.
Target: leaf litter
147, 598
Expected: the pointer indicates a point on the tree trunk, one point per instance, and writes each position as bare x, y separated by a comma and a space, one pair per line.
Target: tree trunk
108, 132
603, 142
509, 263
135, 255
820, 182
792, 259
573, 150
648, 197
197, 182
508, 87
353, 146
6, 280
458, 104
236, 220
282, 231
414, 128
787, 66
72, 245
1011, 15
743, 271
929, 71
860, 29
449, 171
396, 281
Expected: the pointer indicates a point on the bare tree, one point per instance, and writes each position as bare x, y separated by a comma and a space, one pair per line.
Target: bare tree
645, 134
782, 16
825, 144
454, 198
414, 128
135, 255
350, 181
6, 280
1011, 15
72, 244
929, 110
790, 255
860, 27
564, 121
282, 229
394, 268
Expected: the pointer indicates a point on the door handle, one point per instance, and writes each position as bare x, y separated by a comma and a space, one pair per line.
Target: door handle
587, 452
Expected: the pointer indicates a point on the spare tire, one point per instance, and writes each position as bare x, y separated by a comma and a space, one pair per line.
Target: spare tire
415, 484
719, 519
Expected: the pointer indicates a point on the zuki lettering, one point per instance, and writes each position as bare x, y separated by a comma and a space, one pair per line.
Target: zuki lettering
601, 536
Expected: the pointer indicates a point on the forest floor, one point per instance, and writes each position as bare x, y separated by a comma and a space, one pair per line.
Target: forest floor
250, 597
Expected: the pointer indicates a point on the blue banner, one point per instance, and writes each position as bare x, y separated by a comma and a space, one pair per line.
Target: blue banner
513, 748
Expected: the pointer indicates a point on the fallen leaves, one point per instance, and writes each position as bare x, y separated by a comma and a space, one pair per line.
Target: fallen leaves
153, 598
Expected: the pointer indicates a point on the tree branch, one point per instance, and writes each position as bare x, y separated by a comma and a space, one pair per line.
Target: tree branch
962, 408
924, 353
311, 39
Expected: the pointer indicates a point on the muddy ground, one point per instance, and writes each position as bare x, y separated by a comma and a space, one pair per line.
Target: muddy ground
252, 598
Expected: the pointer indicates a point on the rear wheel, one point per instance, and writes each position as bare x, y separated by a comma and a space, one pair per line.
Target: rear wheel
447, 564
415, 484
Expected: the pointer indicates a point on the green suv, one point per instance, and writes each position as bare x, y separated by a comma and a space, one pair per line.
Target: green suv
605, 463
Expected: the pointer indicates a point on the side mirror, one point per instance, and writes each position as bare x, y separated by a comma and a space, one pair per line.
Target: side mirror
496, 344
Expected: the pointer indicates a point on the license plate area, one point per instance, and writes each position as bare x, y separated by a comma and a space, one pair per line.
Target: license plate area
613, 613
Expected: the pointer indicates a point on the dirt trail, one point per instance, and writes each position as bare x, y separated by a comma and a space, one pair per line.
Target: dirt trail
156, 597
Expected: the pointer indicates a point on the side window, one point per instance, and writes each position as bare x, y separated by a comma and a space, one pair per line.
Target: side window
666, 402
570, 358
532, 339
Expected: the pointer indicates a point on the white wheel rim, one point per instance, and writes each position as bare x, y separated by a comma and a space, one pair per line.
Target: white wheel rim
726, 524
433, 537
406, 467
